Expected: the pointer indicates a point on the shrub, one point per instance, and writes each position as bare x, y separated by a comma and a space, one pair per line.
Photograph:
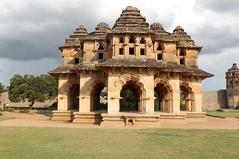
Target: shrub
53, 106
24, 110
9, 109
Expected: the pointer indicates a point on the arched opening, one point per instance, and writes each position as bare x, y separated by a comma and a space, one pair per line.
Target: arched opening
159, 52
130, 97
162, 98
159, 48
121, 39
182, 55
187, 102
142, 40
99, 97
74, 98
131, 39
101, 47
182, 52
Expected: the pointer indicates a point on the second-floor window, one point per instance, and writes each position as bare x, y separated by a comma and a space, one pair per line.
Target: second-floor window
182, 55
142, 51
159, 56
121, 51
100, 56
131, 51
159, 52
77, 61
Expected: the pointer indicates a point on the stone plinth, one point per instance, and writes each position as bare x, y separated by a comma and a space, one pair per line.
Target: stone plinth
87, 118
62, 115
129, 119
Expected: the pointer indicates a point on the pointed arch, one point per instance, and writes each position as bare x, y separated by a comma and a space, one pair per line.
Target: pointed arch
187, 97
163, 95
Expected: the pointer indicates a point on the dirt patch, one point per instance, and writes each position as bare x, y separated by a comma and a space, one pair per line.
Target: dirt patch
41, 120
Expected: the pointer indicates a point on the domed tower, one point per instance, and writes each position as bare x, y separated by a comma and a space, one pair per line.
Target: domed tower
232, 79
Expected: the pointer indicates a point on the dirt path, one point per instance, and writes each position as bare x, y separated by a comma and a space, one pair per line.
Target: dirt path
40, 120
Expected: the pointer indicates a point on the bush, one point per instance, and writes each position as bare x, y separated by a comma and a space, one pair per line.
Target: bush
53, 106
24, 110
9, 109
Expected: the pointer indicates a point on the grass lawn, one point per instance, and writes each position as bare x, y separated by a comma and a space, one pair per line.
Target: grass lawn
5, 118
231, 114
66, 143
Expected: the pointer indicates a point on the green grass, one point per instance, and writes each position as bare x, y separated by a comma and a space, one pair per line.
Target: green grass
63, 143
5, 118
230, 114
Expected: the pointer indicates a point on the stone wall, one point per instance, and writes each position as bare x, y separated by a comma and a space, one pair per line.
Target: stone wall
213, 100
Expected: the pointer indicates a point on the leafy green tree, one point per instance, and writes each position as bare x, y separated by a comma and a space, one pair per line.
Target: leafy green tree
32, 88
129, 100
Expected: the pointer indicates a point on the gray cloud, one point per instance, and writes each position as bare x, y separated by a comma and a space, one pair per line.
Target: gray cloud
219, 6
35, 31
215, 39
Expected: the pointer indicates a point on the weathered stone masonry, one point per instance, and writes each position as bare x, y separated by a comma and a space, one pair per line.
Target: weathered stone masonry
158, 66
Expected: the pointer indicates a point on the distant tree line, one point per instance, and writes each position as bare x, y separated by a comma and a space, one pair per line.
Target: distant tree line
32, 88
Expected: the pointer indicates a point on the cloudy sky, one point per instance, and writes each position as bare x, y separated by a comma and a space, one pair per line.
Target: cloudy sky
31, 31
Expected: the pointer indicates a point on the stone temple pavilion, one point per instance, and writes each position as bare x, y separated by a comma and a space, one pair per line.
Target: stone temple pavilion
153, 70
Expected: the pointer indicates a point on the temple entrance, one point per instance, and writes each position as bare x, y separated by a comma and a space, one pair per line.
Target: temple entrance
130, 97
74, 98
187, 102
99, 97
162, 98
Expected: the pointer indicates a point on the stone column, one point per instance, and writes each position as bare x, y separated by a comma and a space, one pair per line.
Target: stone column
170, 102
162, 104
188, 104
193, 105
114, 89
84, 97
176, 94
148, 82
197, 89
126, 46
63, 90
62, 113
137, 47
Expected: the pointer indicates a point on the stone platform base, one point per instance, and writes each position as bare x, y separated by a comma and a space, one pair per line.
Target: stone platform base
87, 118
128, 119
62, 116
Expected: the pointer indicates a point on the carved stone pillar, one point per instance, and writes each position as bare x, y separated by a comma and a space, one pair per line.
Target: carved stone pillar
84, 97
62, 112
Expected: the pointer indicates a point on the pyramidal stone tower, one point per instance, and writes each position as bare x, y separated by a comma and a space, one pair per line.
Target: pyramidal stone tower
101, 68
232, 86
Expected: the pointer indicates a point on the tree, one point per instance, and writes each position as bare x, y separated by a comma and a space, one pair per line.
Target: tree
2, 89
32, 88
